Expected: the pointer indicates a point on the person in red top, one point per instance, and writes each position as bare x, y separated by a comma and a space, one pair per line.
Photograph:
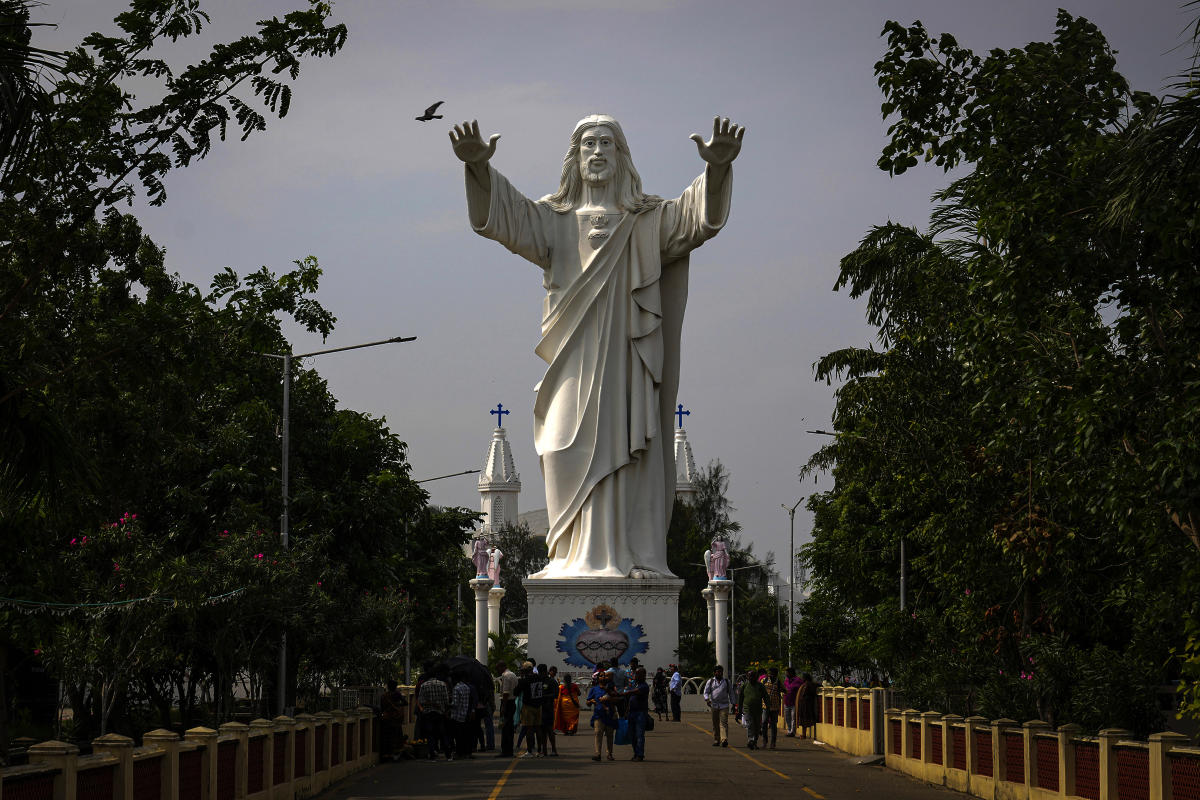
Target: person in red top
566, 707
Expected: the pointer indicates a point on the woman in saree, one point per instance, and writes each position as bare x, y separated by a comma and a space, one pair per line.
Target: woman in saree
566, 707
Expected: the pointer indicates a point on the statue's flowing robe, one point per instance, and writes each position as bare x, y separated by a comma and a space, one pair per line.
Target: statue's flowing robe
611, 326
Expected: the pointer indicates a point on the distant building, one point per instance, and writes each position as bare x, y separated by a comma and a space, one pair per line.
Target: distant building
499, 485
685, 468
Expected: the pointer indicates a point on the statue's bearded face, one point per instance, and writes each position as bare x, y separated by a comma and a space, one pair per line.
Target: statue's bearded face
597, 155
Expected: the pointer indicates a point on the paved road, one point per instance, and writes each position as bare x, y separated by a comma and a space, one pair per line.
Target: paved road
681, 764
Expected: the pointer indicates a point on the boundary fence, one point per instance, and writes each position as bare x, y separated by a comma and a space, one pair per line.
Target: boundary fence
1006, 760
280, 759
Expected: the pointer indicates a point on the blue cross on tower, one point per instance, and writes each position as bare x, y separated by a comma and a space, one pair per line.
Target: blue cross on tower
500, 411
681, 414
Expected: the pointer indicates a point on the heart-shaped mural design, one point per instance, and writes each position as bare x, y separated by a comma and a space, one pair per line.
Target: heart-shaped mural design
601, 645
601, 635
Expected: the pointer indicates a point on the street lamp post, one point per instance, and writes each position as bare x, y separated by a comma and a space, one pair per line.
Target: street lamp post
733, 613
286, 358
408, 628
791, 571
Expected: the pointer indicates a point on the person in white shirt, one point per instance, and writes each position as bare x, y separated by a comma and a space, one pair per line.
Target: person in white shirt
718, 696
676, 689
508, 708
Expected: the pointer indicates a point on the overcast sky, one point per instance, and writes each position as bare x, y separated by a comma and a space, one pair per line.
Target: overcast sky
350, 177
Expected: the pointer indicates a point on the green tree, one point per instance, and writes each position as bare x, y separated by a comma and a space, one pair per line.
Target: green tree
126, 390
1027, 420
695, 524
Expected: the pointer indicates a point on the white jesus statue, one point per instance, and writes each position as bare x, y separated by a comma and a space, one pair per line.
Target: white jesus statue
614, 263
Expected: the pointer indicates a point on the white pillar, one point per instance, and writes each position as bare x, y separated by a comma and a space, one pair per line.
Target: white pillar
481, 587
721, 589
707, 594
495, 594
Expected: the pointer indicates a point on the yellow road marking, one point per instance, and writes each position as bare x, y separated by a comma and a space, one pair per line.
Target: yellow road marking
746, 756
503, 779
814, 794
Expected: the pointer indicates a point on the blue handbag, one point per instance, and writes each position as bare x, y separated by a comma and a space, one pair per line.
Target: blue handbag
623, 736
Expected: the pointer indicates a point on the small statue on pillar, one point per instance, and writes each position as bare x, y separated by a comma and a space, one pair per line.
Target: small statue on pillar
718, 561
493, 568
479, 556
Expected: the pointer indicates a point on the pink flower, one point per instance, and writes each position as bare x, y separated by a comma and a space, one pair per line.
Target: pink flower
73, 541
116, 567
318, 583
83, 540
968, 592
37, 652
259, 556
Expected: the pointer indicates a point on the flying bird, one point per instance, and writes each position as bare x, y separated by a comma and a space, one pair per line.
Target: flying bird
428, 115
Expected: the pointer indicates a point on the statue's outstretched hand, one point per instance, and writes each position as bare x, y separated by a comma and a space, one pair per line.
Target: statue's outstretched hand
469, 145
725, 144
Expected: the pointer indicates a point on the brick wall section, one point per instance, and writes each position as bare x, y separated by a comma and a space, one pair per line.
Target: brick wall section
1087, 770
29, 787
983, 754
190, 771
1133, 773
147, 779
95, 784
1014, 757
1047, 762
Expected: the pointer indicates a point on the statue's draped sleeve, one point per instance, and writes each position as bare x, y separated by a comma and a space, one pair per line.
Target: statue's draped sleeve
694, 217
512, 219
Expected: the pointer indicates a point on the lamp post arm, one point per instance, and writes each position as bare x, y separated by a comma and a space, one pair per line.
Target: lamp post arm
286, 358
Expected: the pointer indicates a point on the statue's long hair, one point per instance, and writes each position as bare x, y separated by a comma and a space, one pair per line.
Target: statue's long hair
630, 196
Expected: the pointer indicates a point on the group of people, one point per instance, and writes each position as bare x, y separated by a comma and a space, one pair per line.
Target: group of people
756, 699
619, 695
538, 705
455, 718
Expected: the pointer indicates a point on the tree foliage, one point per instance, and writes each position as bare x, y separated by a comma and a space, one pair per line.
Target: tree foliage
129, 395
1026, 425
695, 524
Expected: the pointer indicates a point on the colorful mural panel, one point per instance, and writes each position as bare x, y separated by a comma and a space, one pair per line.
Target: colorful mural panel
601, 635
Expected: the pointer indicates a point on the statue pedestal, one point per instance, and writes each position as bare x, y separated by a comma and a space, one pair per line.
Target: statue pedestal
575, 623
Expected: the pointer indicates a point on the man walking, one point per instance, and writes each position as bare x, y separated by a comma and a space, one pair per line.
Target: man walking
676, 689
718, 696
639, 711
751, 701
508, 707
770, 730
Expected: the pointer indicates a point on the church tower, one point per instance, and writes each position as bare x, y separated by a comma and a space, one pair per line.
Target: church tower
685, 464
499, 483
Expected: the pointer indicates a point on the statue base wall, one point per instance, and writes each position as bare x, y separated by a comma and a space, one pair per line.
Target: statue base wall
574, 623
